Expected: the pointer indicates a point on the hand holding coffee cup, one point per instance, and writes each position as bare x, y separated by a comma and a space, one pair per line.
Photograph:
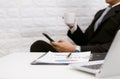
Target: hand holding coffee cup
69, 19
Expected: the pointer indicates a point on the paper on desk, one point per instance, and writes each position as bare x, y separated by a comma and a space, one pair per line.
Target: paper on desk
51, 57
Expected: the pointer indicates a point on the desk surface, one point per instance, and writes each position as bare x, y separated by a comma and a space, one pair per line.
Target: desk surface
17, 66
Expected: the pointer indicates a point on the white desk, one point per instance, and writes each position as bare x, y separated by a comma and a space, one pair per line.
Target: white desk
17, 66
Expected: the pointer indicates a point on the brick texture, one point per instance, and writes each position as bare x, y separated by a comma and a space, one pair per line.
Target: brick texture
23, 21
36, 16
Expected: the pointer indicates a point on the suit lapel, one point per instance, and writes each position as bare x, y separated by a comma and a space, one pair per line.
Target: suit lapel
111, 13
90, 30
98, 15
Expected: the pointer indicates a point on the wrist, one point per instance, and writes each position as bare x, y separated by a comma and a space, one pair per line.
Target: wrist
77, 49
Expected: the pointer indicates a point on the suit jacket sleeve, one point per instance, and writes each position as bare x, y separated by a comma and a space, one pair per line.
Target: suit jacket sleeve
82, 42
96, 48
101, 39
78, 34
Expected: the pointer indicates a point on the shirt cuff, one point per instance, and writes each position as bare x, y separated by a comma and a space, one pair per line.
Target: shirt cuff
77, 49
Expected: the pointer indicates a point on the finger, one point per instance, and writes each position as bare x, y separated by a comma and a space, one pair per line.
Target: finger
54, 44
61, 40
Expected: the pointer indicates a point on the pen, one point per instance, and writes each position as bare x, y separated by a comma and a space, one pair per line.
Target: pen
69, 55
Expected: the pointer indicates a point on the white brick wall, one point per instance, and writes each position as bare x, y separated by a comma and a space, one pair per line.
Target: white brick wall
23, 21
26, 16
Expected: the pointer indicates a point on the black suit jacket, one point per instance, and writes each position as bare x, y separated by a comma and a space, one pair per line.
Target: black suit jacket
101, 39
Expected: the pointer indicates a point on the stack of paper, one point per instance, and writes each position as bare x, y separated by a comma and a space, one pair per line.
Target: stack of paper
62, 59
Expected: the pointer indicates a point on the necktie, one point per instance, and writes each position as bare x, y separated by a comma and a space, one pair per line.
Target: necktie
101, 18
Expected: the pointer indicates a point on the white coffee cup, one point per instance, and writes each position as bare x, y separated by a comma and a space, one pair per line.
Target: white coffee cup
69, 18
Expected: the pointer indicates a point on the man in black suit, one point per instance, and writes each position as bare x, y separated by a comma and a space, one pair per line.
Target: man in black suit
97, 37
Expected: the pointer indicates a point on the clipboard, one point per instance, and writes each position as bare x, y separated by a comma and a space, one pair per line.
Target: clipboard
44, 63
51, 58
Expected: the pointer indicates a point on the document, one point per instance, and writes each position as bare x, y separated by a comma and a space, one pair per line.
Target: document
51, 58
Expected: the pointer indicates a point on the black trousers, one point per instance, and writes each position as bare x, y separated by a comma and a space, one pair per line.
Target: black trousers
41, 46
